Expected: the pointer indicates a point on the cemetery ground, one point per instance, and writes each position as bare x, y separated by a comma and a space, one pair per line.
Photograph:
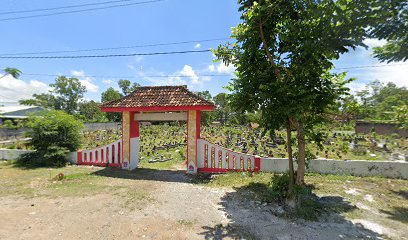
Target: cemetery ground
160, 201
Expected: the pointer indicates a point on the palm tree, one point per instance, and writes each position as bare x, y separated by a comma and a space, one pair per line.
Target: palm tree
14, 72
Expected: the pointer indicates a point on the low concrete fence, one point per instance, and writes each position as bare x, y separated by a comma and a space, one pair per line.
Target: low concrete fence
9, 133
12, 154
362, 168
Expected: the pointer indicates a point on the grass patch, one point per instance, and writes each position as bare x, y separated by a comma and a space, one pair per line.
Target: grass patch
186, 223
29, 183
177, 160
388, 196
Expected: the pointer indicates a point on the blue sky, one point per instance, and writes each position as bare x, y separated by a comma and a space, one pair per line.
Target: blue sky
161, 22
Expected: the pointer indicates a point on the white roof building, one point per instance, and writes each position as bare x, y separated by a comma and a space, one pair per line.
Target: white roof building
19, 111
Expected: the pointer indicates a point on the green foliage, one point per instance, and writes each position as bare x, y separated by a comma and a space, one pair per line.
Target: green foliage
283, 56
401, 115
53, 135
91, 112
381, 101
109, 95
392, 26
127, 87
64, 95
14, 72
8, 124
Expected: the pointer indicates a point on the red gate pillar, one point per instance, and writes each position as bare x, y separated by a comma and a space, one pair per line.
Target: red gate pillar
193, 134
130, 141
125, 140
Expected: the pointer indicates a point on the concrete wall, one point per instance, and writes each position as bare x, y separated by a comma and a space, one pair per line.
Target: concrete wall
12, 154
6, 133
91, 127
380, 128
339, 167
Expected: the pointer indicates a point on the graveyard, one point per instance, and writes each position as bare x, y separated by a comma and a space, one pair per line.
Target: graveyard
167, 142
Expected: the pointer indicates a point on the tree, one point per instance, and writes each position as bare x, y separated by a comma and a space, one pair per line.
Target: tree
401, 115
206, 117
393, 27
67, 93
379, 100
109, 95
205, 94
53, 136
127, 87
91, 111
283, 54
14, 72
64, 95
223, 107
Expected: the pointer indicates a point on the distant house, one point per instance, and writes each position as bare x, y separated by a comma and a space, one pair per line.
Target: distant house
18, 112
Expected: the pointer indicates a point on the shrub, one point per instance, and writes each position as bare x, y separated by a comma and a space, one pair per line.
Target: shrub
280, 188
52, 135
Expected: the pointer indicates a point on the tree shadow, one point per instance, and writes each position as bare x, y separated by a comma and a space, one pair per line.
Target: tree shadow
399, 214
146, 174
220, 231
401, 193
253, 215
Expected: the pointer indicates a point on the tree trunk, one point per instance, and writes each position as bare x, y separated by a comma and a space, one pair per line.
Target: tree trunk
300, 177
290, 154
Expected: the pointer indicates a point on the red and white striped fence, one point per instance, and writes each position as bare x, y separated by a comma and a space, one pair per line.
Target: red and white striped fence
214, 158
109, 155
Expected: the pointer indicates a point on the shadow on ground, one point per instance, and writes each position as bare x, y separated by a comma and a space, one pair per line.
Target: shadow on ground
399, 214
251, 218
146, 174
401, 193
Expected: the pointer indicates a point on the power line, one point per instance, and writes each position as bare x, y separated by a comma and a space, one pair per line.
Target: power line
63, 7
124, 77
105, 56
6, 97
77, 11
371, 66
115, 48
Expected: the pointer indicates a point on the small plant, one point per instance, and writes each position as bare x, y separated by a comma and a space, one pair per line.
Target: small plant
52, 136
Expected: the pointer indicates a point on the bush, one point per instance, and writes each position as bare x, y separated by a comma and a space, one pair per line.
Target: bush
53, 136
280, 188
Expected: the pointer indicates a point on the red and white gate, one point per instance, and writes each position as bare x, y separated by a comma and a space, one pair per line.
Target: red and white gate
216, 159
108, 155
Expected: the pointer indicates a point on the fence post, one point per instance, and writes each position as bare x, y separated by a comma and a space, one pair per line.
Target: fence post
257, 164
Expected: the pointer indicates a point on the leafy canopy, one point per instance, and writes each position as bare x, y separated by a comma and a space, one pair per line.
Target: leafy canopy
53, 136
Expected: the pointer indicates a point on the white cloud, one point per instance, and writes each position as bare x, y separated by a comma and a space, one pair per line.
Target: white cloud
373, 42
107, 81
394, 72
221, 68
198, 45
162, 80
186, 76
85, 81
188, 71
12, 90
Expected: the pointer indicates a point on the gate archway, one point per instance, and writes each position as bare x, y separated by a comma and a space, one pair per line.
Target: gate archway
158, 103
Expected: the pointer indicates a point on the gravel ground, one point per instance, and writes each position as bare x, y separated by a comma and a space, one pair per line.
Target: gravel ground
170, 208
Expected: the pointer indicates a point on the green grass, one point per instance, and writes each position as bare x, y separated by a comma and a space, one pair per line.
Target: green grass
390, 196
42, 182
177, 159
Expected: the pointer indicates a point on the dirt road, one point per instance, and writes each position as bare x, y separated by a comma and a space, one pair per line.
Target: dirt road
155, 205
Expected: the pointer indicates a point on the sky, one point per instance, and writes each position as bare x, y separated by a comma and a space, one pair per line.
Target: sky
166, 21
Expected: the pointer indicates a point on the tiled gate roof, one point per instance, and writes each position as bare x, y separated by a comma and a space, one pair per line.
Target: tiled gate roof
159, 96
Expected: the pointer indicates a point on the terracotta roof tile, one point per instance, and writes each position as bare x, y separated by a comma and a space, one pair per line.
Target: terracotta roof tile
159, 96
